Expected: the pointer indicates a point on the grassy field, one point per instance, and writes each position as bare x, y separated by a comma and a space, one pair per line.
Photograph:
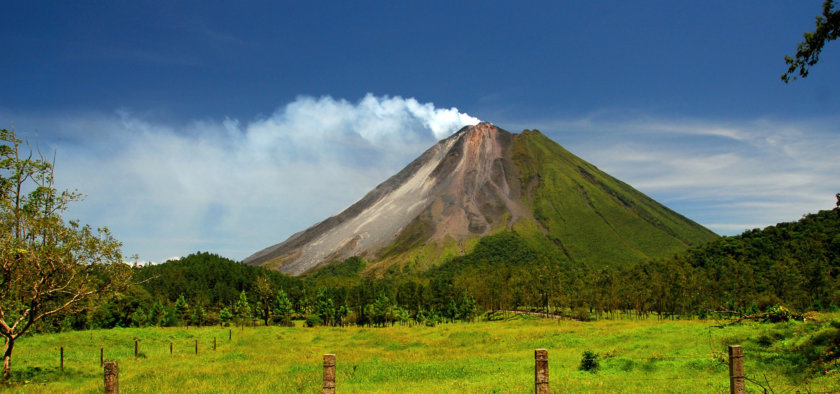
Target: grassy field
635, 356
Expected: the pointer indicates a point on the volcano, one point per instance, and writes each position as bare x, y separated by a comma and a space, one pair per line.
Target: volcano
483, 180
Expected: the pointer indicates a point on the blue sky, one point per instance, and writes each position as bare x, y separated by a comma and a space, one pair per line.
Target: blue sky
229, 126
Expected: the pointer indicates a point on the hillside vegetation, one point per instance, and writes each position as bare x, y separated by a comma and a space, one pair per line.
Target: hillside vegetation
592, 217
794, 263
790, 265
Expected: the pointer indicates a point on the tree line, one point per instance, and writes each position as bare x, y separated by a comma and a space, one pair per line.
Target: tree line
795, 265
792, 264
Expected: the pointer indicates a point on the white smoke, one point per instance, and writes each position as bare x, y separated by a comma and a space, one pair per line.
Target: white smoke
233, 187
374, 121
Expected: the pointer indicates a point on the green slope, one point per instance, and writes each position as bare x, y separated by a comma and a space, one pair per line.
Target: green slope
592, 217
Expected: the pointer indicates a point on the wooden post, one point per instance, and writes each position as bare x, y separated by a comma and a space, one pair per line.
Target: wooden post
62, 359
136, 348
170, 348
329, 374
736, 370
101, 357
196, 346
541, 371
112, 379
229, 334
214, 344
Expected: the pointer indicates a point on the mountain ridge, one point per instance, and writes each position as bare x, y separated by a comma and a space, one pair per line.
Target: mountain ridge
479, 181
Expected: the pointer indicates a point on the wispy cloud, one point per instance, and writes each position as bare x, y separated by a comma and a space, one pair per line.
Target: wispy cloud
729, 176
234, 186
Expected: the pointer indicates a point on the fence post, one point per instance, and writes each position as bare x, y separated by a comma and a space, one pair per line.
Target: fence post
229, 334
196, 346
112, 379
329, 374
541, 371
62, 359
214, 344
136, 348
736, 370
101, 357
170, 348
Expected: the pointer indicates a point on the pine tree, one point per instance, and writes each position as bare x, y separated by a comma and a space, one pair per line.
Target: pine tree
242, 309
157, 314
467, 310
182, 310
139, 318
199, 315
283, 308
225, 316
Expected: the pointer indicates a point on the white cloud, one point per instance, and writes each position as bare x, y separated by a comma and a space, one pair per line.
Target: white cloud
233, 186
729, 176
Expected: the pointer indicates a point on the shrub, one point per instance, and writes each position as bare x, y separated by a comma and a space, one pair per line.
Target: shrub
580, 314
589, 361
777, 313
313, 321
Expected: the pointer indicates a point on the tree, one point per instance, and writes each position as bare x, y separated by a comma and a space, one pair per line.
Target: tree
242, 309
199, 316
451, 311
325, 308
283, 308
265, 296
467, 310
382, 310
48, 267
139, 318
157, 314
808, 51
182, 309
225, 316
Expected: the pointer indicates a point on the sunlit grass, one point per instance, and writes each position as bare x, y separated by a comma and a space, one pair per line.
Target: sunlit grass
635, 356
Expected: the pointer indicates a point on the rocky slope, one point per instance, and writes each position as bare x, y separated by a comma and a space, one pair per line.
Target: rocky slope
479, 181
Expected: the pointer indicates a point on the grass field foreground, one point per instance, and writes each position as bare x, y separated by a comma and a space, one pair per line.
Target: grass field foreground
635, 356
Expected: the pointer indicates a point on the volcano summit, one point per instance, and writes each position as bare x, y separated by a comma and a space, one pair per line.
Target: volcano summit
482, 180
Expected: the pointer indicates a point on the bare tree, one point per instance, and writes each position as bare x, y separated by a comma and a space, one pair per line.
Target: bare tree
48, 267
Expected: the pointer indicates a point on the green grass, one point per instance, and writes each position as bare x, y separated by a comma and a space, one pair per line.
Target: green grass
635, 356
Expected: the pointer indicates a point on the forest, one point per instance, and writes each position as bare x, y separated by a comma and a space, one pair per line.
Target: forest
790, 265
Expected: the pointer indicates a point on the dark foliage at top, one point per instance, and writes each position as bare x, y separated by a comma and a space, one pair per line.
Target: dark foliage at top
350, 268
205, 277
808, 51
